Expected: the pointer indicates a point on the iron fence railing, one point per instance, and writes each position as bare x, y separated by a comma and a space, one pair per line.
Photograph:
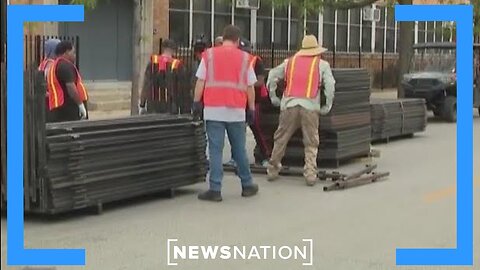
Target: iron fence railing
35, 50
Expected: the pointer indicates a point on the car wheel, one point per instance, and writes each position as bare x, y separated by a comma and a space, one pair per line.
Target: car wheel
449, 111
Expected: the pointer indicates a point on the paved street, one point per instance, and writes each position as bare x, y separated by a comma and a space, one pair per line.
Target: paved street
355, 229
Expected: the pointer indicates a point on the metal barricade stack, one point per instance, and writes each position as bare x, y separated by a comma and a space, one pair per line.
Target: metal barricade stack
393, 118
92, 162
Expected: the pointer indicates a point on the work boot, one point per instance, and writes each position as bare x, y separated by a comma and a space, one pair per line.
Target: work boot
250, 191
273, 172
210, 195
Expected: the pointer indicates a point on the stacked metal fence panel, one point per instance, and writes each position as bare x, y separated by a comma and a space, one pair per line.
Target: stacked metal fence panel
345, 132
397, 117
91, 162
75, 165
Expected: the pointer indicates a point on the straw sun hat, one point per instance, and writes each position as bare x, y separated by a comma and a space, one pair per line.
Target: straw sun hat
310, 46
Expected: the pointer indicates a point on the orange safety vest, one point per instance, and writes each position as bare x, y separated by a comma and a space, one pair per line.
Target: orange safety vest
44, 63
159, 64
55, 91
160, 61
302, 77
263, 92
227, 77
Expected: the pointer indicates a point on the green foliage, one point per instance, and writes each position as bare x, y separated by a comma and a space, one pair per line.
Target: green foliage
90, 4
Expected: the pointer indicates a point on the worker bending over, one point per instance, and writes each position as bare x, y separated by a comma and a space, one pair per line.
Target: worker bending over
305, 73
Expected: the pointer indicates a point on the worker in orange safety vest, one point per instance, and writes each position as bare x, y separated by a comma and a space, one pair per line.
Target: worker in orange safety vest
67, 95
157, 95
225, 85
305, 74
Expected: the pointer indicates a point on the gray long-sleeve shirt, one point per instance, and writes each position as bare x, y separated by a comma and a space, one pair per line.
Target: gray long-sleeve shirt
328, 81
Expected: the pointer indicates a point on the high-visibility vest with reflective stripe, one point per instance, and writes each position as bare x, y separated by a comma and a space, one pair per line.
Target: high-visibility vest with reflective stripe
227, 77
43, 65
55, 93
160, 63
262, 91
302, 77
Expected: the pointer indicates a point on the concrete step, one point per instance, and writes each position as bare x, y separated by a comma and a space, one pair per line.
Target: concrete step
98, 115
114, 105
109, 96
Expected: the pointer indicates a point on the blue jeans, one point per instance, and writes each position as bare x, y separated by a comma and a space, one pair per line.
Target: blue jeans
216, 138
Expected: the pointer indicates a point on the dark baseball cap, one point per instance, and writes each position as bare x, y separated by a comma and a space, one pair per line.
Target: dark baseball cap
245, 45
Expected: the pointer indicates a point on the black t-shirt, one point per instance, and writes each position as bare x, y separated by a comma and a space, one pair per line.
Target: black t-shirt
259, 67
259, 70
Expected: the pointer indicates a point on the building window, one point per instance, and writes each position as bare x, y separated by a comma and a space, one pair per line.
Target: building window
329, 28
202, 18
178, 21
430, 31
438, 31
342, 30
421, 32
242, 21
380, 31
264, 25
281, 28
390, 30
367, 36
312, 23
179, 4
354, 30
223, 16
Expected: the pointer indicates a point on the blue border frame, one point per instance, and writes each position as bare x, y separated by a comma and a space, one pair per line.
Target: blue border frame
18, 255
463, 16
17, 15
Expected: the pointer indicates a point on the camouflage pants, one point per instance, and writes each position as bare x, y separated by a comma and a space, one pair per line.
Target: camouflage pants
290, 121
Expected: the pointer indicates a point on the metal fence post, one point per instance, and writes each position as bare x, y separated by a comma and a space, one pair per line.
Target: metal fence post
273, 54
383, 68
77, 46
334, 53
360, 57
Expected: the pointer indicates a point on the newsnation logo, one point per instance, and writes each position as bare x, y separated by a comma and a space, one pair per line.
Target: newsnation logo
303, 253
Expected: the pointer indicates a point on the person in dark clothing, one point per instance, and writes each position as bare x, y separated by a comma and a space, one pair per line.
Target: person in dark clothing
66, 92
261, 96
161, 92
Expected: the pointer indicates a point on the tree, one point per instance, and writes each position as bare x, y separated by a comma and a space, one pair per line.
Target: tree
404, 49
136, 40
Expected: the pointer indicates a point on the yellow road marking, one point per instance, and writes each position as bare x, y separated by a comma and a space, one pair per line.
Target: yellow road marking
445, 193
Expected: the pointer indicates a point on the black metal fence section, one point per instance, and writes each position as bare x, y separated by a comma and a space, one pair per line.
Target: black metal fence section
274, 54
35, 50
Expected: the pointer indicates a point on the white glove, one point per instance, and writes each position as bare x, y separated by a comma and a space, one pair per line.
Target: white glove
324, 110
275, 101
142, 110
82, 111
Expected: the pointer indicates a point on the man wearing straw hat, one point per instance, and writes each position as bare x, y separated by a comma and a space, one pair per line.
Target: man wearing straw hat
305, 75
